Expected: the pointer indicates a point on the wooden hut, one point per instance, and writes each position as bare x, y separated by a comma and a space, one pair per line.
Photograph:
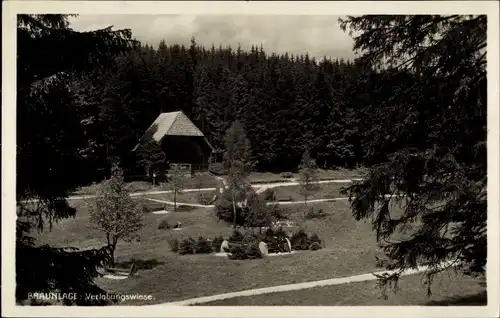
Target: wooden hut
183, 143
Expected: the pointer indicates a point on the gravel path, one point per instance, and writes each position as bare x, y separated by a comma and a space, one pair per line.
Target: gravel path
256, 185
268, 203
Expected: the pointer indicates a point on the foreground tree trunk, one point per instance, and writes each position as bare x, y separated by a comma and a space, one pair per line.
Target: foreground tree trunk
112, 247
112, 252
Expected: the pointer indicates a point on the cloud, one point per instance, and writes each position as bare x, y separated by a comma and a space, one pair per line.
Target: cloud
297, 34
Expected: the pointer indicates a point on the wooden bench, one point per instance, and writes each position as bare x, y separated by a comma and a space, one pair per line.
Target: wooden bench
284, 198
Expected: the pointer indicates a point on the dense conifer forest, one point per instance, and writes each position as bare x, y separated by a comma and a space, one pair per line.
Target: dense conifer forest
286, 104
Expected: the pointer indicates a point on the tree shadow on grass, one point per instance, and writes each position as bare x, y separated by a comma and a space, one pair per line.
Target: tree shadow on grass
479, 299
140, 264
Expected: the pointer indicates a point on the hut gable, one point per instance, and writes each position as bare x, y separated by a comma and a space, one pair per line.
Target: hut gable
161, 125
183, 126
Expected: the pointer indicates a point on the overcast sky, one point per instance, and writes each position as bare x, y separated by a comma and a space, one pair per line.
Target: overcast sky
318, 35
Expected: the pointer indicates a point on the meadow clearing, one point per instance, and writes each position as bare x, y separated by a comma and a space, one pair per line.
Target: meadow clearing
349, 248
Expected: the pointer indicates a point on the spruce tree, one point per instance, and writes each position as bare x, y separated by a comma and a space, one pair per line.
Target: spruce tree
440, 174
50, 56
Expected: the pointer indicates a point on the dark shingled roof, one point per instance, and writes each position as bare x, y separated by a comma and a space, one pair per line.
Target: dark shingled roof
172, 124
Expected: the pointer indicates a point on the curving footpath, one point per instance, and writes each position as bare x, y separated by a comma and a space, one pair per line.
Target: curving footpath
291, 287
255, 185
268, 203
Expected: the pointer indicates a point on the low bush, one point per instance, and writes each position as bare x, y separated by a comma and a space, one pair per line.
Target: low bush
301, 241
274, 245
151, 206
315, 214
203, 246
279, 212
174, 245
245, 251
314, 238
280, 233
314, 246
250, 237
224, 209
236, 236
268, 234
163, 225
287, 175
187, 246
275, 239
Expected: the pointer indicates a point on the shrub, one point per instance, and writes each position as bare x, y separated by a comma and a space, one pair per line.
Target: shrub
312, 214
224, 209
187, 246
174, 245
287, 175
250, 237
151, 206
203, 246
217, 242
314, 246
269, 234
205, 199
279, 212
236, 236
314, 238
257, 213
280, 233
299, 240
273, 245
163, 225
245, 251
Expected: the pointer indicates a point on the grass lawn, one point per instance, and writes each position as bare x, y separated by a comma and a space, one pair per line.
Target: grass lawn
448, 289
201, 180
186, 197
257, 177
205, 180
350, 249
324, 191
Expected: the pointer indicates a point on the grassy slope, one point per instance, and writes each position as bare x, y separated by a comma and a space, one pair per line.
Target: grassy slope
205, 180
350, 250
447, 289
257, 177
324, 191
186, 197
197, 181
